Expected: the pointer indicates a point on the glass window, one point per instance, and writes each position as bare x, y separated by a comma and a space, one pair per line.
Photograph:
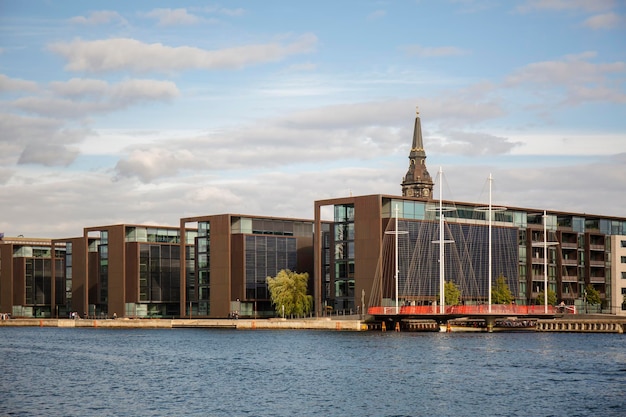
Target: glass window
578, 224
623, 243
420, 209
624, 259
344, 213
520, 219
203, 228
592, 224
408, 209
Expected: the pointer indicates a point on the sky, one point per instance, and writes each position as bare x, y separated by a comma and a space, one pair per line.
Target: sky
144, 112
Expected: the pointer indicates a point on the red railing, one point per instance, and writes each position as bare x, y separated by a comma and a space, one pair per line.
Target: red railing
512, 310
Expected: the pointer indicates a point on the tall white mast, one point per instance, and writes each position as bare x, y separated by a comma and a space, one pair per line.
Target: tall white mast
441, 246
396, 265
545, 263
545, 245
490, 221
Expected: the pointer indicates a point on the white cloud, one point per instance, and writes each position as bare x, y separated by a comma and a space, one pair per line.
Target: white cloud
16, 84
324, 135
575, 69
593, 187
48, 154
151, 163
580, 79
123, 54
471, 144
100, 17
605, 21
173, 17
569, 144
27, 140
80, 87
78, 98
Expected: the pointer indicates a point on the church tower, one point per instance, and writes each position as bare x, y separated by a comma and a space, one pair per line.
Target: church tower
417, 181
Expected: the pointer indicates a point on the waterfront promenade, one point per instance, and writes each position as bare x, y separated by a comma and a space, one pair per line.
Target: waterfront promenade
569, 324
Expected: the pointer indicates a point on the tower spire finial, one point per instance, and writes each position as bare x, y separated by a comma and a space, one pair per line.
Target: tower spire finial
417, 182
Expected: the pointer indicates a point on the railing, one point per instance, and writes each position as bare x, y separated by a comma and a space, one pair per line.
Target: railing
472, 309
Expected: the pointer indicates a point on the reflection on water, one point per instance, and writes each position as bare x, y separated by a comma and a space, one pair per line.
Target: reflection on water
100, 372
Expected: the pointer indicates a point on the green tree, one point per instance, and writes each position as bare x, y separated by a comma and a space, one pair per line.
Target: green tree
551, 298
593, 295
452, 294
289, 289
500, 292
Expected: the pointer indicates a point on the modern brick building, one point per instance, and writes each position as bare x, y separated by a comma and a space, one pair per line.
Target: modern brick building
234, 254
354, 262
215, 265
27, 287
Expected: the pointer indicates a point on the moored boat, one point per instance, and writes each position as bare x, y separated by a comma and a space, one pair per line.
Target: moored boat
514, 324
504, 324
464, 324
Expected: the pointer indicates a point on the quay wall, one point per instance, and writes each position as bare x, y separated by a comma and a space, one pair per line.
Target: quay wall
582, 326
573, 325
240, 324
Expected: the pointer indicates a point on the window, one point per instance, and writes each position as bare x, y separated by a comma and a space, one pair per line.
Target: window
623, 275
624, 259
623, 243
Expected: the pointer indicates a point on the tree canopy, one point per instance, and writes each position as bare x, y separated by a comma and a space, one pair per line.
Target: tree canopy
289, 289
452, 294
500, 292
593, 295
551, 297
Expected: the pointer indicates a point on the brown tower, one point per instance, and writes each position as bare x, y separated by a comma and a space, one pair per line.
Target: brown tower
417, 181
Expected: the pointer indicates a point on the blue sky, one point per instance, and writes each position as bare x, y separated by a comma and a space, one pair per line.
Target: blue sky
148, 111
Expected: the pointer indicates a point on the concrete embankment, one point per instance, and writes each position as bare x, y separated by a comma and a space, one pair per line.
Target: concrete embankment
580, 325
240, 324
573, 325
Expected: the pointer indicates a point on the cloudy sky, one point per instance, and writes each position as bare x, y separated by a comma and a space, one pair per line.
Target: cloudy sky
148, 111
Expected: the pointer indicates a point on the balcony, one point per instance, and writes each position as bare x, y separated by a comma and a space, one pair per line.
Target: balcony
569, 278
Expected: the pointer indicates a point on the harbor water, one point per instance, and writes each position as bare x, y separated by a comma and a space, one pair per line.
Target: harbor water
209, 372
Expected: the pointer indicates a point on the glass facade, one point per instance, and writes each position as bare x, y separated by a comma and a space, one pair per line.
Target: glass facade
159, 279
103, 274
577, 253
265, 256
201, 297
466, 260
152, 234
343, 259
